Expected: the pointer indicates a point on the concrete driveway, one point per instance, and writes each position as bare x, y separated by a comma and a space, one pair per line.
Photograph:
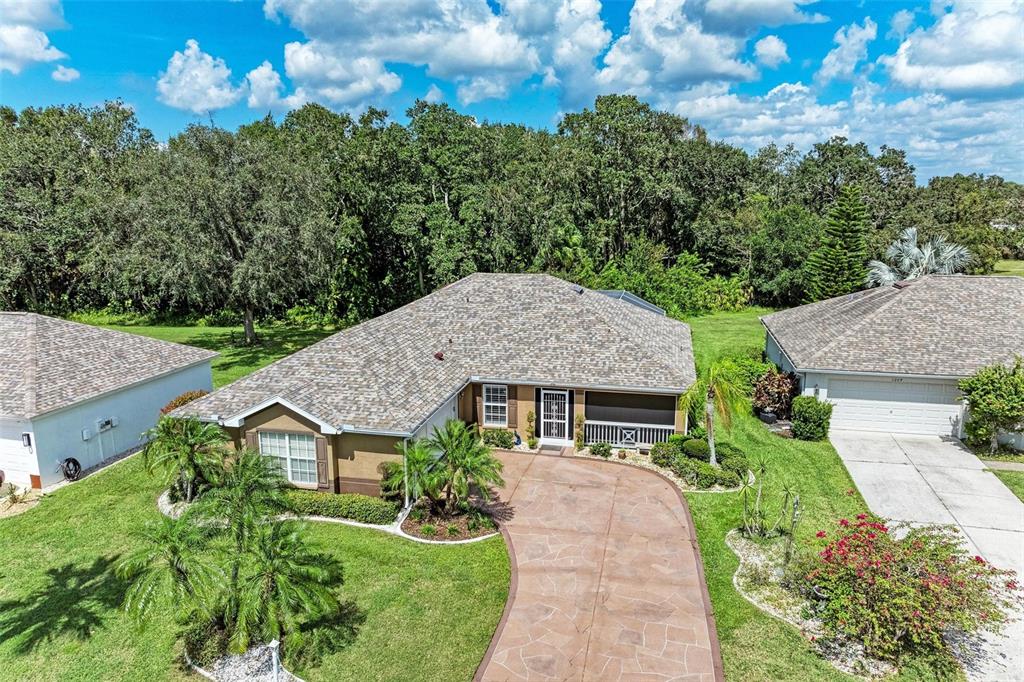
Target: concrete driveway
928, 479
607, 581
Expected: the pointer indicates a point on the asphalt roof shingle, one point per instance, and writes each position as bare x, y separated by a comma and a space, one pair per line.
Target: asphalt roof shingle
47, 363
943, 325
382, 375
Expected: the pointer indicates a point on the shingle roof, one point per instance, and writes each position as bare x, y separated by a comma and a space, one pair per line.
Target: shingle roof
47, 363
383, 376
945, 325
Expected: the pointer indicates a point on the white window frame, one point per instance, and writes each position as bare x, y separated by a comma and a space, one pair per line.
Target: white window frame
288, 456
503, 405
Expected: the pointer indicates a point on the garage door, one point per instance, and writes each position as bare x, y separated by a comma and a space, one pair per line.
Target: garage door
899, 405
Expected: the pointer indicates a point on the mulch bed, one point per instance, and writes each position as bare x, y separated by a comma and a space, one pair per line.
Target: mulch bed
459, 525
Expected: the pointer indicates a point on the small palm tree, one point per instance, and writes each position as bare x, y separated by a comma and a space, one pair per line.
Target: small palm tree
910, 260
422, 469
170, 569
286, 582
250, 491
720, 392
186, 450
467, 462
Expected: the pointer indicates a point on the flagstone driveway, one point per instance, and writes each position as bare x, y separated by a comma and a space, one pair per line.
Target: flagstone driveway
607, 581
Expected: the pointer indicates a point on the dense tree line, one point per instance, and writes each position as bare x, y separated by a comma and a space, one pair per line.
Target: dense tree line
350, 217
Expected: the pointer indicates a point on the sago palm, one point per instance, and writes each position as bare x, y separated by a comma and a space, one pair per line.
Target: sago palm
422, 468
186, 450
251, 490
909, 260
286, 582
467, 461
171, 569
720, 392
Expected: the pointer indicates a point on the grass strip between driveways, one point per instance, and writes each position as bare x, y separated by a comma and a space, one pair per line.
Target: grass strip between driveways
1014, 480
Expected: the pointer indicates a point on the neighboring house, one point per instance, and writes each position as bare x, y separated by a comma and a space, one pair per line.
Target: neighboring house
889, 358
70, 390
488, 349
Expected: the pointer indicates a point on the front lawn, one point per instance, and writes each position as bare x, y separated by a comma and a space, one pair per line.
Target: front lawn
417, 611
1014, 480
1010, 267
755, 646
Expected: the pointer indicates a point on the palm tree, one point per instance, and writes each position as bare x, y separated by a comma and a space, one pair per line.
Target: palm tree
286, 581
466, 460
721, 393
170, 569
186, 450
250, 491
911, 260
423, 472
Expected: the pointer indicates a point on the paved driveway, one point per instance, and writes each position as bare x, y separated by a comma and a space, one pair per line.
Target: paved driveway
927, 479
607, 580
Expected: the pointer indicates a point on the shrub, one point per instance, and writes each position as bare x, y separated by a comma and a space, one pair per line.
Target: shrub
727, 479
355, 507
677, 440
739, 465
453, 529
662, 454
428, 530
204, 641
183, 399
499, 438
900, 595
726, 449
995, 395
749, 371
531, 442
697, 431
697, 449
601, 450
810, 418
579, 424
774, 392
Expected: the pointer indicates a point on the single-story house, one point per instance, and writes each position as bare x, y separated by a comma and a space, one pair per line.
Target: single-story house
488, 349
70, 390
889, 358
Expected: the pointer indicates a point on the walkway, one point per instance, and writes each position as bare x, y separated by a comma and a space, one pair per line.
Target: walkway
927, 479
607, 582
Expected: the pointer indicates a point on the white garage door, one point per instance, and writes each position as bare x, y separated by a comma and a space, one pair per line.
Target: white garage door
900, 405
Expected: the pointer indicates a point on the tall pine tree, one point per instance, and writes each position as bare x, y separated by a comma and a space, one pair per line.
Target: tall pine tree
839, 265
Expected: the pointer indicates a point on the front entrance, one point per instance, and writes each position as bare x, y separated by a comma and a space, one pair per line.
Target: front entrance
554, 417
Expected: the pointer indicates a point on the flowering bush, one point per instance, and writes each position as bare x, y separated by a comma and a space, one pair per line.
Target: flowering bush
774, 392
897, 595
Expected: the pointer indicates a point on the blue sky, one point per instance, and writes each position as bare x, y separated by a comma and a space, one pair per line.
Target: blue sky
942, 80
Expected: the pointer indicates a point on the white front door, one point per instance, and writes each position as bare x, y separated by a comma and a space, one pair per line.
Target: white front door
554, 417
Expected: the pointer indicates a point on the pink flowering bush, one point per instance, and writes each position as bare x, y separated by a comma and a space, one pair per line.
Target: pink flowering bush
900, 595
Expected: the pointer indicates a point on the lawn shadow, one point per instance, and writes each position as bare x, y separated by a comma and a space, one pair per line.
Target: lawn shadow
75, 600
330, 634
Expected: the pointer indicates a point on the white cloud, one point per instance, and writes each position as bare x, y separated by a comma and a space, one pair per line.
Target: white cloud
974, 48
851, 49
23, 41
743, 16
771, 51
434, 94
197, 81
901, 23
65, 74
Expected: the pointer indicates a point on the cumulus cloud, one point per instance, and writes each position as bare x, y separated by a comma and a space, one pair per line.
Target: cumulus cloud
973, 48
743, 16
197, 82
65, 74
434, 94
901, 23
23, 40
851, 49
771, 51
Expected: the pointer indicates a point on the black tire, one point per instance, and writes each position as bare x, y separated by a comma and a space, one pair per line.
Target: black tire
72, 469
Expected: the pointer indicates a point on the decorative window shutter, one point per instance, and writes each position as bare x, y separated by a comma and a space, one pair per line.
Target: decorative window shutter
478, 404
511, 395
252, 440
321, 463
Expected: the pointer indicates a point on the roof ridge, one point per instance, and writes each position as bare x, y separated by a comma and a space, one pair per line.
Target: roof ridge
867, 318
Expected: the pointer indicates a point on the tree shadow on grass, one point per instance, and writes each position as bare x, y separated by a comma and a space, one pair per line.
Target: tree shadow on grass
271, 344
330, 634
75, 600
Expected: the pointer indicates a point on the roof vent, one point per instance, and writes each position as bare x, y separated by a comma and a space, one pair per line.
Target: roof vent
439, 355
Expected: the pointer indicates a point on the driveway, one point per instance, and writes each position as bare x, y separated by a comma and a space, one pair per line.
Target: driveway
928, 479
607, 581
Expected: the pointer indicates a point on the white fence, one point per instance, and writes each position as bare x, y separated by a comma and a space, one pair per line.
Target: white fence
624, 435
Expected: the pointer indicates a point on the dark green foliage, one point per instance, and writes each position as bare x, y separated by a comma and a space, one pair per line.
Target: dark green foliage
737, 464
601, 450
677, 439
697, 449
839, 265
662, 454
811, 418
727, 449
702, 475
774, 392
355, 507
499, 438
205, 641
748, 371
183, 399
696, 431
995, 396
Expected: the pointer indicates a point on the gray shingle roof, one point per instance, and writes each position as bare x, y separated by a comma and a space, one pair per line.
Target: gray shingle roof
47, 363
946, 325
382, 375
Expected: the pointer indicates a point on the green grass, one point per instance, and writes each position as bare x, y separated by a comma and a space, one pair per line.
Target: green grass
1014, 480
755, 646
236, 359
419, 611
1010, 267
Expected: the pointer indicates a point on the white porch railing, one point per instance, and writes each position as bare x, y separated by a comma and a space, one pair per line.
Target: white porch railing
623, 435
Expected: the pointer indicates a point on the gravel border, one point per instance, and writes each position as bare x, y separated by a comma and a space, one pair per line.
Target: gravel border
255, 665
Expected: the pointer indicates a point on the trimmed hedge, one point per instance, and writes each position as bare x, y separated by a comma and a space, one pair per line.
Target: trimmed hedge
736, 464
662, 454
601, 450
499, 438
353, 506
697, 449
810, 418
702, 475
